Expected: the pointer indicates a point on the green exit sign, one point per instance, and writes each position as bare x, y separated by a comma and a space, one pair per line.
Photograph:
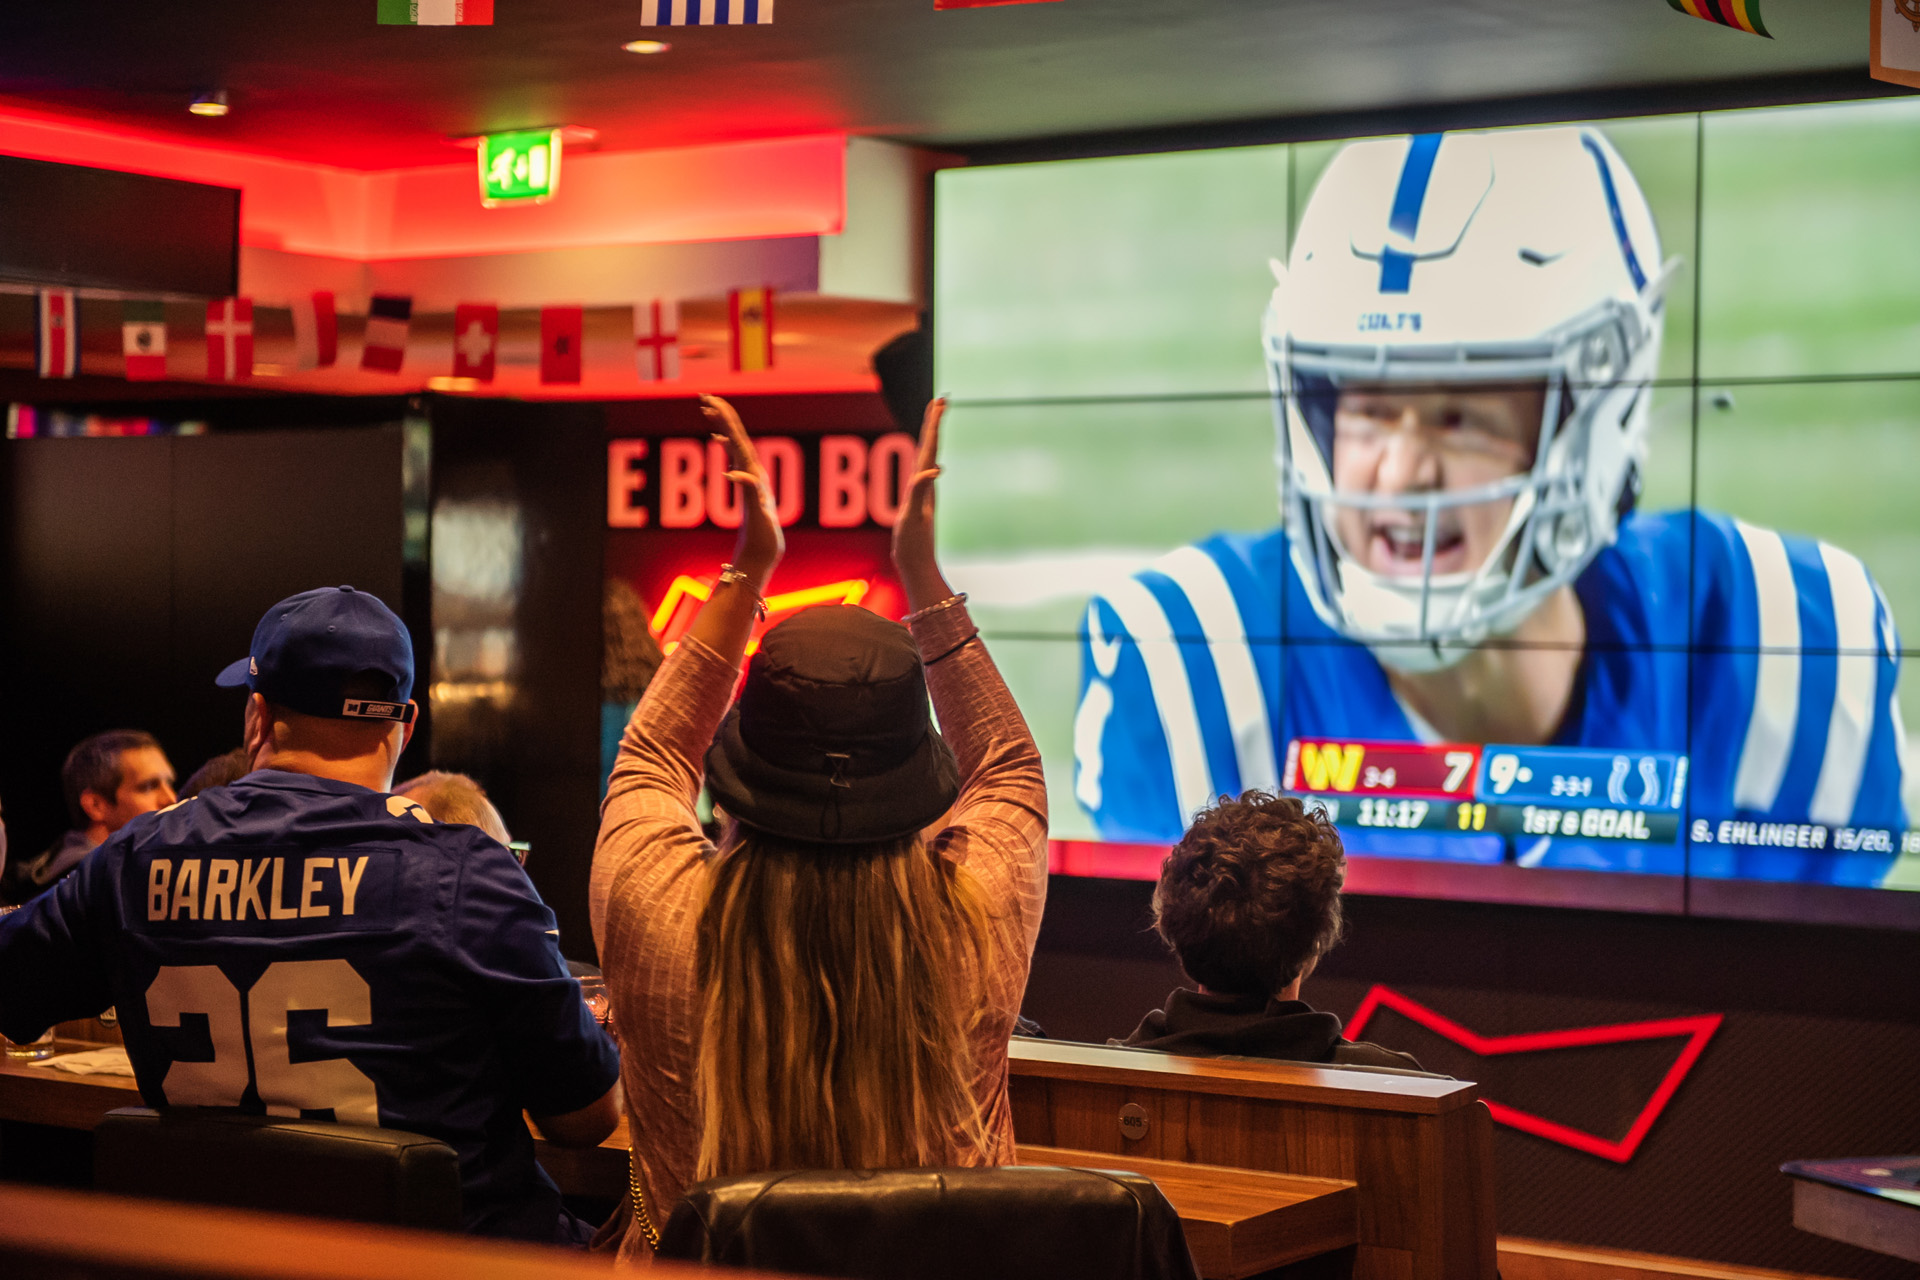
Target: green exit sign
522, 167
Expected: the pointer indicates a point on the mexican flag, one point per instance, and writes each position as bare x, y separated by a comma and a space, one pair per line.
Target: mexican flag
436, 13
143, 337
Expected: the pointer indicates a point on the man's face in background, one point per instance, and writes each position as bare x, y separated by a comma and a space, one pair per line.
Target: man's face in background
146, 784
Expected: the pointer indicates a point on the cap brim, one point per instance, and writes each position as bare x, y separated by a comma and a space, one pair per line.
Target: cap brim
805, 806
235, 675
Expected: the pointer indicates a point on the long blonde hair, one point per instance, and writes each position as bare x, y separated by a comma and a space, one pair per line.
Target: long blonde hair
837, 991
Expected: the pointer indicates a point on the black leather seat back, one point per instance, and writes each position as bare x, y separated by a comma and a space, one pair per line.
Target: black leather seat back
355, 1172
1026, 1223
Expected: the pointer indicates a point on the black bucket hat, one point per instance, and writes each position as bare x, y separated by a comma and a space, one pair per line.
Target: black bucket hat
832, 740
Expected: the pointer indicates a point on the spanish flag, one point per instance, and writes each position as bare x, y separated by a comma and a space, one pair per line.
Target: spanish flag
1744, 14
750, 326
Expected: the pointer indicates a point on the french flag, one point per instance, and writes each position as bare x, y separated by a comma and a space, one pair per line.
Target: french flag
385, 345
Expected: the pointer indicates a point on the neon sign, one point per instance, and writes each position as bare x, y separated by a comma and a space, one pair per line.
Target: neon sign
686, 594
1698, 1029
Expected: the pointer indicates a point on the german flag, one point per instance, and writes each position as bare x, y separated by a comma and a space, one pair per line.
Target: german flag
1743, 14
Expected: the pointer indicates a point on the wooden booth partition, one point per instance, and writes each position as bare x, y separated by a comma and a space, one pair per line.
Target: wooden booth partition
1418, 1149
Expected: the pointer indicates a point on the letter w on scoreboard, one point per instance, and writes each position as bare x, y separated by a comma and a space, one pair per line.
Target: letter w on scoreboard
1324, 766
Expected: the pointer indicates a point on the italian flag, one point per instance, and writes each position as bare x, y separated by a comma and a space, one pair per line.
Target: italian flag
436, 13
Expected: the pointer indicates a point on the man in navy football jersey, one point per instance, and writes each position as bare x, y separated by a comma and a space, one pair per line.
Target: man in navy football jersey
302, 943
1462, 346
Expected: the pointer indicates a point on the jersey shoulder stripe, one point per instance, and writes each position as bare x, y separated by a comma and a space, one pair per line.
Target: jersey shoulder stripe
1229, 645
1805, 634
1143, 621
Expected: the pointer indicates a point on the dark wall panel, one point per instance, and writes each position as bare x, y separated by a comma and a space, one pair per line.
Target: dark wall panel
258, 517
1816, 1055
68, 224
89, 527
136, 568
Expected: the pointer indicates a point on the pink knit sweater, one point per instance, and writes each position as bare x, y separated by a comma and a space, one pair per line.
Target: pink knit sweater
650, 869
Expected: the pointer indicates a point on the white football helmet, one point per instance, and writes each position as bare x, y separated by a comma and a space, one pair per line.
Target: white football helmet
1523, 257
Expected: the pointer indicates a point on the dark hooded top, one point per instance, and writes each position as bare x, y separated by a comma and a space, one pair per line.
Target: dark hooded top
1206, 1024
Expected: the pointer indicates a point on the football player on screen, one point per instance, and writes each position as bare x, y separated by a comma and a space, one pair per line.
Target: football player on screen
1461, 349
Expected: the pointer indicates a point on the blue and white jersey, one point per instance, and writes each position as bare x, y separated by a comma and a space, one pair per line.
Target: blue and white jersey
1788, 712
307, 947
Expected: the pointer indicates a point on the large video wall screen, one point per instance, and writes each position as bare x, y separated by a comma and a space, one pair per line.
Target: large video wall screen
1539, 498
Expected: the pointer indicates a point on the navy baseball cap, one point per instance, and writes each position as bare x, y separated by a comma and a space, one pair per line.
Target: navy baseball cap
332, 652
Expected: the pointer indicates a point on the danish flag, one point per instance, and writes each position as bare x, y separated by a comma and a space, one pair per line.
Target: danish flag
230, 340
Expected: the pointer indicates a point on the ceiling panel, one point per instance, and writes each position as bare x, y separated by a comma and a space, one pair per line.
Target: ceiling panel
321, 81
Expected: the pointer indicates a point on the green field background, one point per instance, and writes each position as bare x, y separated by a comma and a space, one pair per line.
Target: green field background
1097, 327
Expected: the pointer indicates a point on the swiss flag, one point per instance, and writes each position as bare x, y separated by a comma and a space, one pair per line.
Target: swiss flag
560, 344
230, 340
476, 340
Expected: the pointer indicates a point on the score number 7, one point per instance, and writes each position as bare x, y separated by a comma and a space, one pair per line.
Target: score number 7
1459, 763
285, 1086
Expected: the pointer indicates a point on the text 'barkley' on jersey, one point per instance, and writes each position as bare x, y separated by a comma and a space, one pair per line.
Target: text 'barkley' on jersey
296, 891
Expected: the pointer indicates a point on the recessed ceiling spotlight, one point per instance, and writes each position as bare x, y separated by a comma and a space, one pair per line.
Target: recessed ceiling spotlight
646, 46
211, 103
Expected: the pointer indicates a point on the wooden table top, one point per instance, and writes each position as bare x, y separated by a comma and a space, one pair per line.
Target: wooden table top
1240, 1077
1857, 1217
1238, 1221
48, 1095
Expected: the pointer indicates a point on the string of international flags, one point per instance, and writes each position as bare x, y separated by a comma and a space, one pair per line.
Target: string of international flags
1743, 15
316, 336
653, 13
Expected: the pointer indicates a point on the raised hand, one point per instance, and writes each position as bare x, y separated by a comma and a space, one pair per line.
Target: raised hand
913, 555
761, 542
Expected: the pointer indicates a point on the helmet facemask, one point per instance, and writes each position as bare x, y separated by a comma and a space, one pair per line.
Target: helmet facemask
1565, 506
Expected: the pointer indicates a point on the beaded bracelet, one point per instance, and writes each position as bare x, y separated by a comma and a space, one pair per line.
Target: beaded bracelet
930, 610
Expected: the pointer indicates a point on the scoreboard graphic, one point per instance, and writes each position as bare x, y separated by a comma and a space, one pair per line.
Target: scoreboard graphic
1495, 789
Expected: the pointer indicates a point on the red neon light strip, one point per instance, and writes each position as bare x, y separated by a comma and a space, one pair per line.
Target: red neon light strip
685, 587
1698, 1029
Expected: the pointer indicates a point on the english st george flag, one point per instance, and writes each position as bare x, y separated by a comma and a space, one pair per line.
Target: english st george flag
750, 329
230, 340
656, 340
385, 345
143, 339
705, 13
59, 334
316, 331
560, 344
476, 340
435, 13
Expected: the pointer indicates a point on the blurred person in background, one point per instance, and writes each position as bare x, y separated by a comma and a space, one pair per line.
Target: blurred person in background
109, 779
228, 766
830, 987
1249, 901
454, 797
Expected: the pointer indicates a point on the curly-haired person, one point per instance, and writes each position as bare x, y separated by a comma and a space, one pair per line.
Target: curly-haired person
1249, 900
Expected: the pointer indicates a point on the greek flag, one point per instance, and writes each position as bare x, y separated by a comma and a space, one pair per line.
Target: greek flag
704, 13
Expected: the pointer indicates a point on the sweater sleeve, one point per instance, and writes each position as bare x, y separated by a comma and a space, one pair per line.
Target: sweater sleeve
998, 826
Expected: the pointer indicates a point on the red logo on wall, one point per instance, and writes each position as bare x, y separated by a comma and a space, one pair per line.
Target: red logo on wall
1698, 1029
